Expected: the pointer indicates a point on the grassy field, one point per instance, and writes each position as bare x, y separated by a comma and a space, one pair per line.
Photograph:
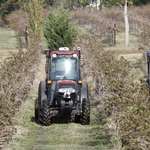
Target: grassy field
120, 40
8, 39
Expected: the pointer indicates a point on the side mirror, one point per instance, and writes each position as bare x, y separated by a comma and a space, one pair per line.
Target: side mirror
47, 54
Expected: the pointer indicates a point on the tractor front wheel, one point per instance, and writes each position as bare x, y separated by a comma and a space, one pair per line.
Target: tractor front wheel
86, 111
46, 116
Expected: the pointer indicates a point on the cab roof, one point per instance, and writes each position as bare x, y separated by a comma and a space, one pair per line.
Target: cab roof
64, 53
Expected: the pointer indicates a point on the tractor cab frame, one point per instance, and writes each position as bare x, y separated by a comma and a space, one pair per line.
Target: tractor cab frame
63, 93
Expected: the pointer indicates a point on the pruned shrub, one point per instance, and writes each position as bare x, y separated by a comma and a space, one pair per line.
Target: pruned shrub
16, 75
19, 21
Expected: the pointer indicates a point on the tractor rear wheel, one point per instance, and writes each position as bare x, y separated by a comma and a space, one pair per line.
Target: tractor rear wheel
46, 117
86, 111
41, 96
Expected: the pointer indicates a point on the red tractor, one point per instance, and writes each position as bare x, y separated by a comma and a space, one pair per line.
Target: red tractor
63, 93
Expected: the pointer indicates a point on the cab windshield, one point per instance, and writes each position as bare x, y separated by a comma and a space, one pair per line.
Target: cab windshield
64, 68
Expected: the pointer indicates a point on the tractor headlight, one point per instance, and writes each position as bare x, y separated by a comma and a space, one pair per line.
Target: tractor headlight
71, 90
62, 90
54, 55
75, 55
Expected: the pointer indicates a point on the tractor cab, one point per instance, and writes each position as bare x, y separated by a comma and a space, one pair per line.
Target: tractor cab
63, 65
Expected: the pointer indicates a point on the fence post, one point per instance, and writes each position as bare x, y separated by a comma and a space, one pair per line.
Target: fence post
114, 34
26, 36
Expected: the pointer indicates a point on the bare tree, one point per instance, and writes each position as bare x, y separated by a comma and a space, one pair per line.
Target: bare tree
126, 24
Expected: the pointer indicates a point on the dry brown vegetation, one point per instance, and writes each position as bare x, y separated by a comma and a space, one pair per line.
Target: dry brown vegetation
125, 100
18, 20
17, 74
102, 22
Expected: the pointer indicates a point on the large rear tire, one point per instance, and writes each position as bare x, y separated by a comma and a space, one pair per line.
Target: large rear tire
46, 116
41, 95
85, 112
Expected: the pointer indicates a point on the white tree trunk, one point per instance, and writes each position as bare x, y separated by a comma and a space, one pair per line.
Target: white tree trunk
126, 25
98, 4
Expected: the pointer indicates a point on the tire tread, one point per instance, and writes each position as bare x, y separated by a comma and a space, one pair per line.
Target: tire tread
85, 112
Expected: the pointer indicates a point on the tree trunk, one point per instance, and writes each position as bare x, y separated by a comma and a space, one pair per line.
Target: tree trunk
98, 4
126, 25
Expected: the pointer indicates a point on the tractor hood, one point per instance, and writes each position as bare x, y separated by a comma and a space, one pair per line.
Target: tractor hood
66, 88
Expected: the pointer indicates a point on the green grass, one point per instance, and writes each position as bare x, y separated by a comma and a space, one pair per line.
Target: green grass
120, 40
63, 136
7, 39
129, 50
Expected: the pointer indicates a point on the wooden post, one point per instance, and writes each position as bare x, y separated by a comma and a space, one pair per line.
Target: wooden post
26, 36
114, 34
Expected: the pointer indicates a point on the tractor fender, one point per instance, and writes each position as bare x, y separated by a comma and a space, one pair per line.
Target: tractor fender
42, 93
84, 90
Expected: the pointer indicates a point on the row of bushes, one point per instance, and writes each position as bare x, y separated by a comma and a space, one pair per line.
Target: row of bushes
126, 101
17, 73
102, 22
